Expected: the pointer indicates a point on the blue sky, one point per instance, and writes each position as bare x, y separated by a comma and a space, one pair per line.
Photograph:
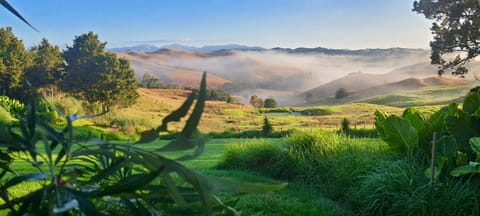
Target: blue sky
350, 24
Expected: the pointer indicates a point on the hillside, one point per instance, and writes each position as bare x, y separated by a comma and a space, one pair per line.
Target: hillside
409, 92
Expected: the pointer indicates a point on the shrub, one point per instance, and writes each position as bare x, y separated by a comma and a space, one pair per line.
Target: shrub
267, 127
345, 126
270, 103
341, 93
316, 112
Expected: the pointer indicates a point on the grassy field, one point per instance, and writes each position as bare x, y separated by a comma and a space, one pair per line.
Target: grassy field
295, 199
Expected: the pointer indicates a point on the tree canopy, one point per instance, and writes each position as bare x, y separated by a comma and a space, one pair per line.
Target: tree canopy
456, 30
47, 65
96, 75
13, 62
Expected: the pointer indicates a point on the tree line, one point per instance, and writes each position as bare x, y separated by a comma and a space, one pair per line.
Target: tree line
84, 69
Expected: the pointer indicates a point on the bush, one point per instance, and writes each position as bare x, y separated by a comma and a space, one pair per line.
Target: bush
316, 112
341, 93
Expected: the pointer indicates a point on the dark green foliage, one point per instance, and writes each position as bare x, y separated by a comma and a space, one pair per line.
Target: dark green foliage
316, 112
47, 65
219, 95
96, 75
267, 127
270, 103
456, 131
345, 126
256, 102
14, 60
150, 81
341, 93
456, 27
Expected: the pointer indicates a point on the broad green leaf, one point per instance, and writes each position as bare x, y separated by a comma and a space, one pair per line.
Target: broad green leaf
436, 121
28, 177
471, 103
461, 128
466, 169
447, 146
380, 118
475, 145
192, 122
418, 122
399, 134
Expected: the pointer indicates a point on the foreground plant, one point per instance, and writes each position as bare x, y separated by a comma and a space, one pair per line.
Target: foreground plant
457, 132
95, 177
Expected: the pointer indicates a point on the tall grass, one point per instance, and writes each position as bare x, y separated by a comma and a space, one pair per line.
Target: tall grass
363, 174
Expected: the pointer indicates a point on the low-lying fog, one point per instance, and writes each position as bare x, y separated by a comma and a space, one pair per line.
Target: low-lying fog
276, 70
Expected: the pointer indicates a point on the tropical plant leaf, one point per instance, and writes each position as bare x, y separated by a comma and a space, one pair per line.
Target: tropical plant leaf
380, 118
12, 10
461, 128
447, 146
152, 135
471, 168
475, 145
471, 103
399, 134
418, 122
28, 177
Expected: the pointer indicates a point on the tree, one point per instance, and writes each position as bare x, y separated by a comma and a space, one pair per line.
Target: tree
456, 29
341, 93
267, 127
256, 102
345, 126
13, 62
47, 65
270, 103
150, 80
96, 75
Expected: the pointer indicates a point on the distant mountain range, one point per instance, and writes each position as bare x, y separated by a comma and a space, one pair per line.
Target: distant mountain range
222, 49
214, 48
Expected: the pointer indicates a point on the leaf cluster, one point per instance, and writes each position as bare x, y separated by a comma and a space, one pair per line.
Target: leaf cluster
455, 130
456, 29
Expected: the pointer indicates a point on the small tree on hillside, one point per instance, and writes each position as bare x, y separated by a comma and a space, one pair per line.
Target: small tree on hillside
96, 75
345, 125
270, 103
341, 93
14, 59
151, 81
267, 127
47, 65
256, 102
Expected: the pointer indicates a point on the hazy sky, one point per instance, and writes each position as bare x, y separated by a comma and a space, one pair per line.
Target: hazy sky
350, 24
